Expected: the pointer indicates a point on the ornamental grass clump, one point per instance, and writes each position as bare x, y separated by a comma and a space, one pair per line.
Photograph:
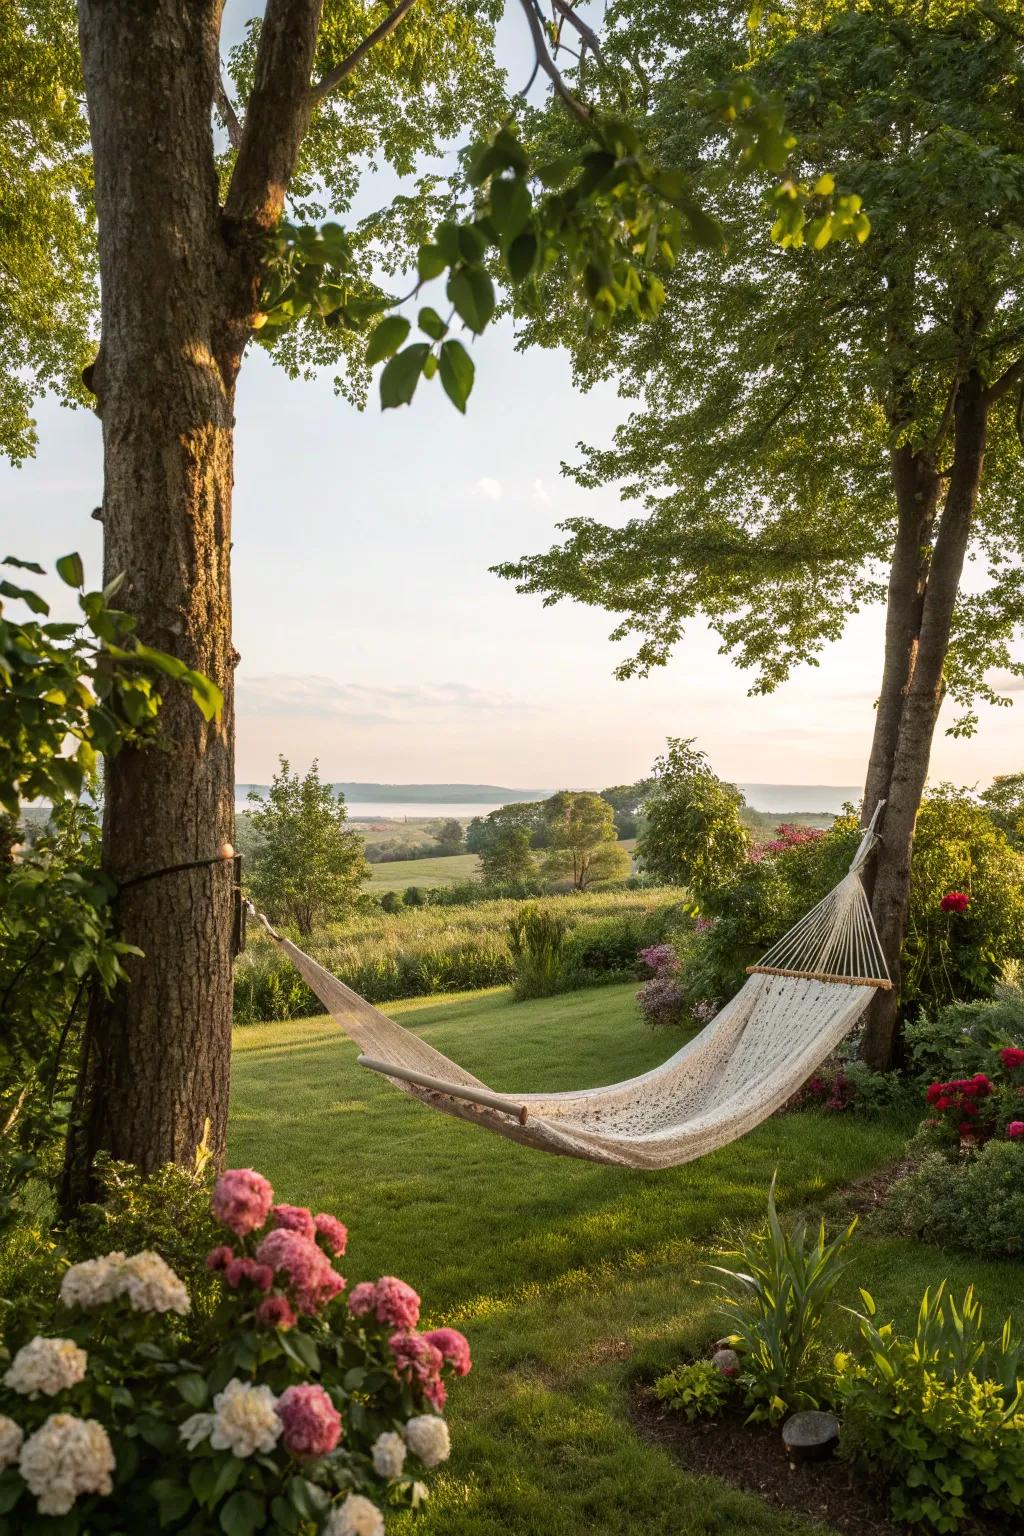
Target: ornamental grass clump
280, 1408
939, 1415
776, 1296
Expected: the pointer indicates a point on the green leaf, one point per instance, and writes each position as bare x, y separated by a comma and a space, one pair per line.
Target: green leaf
431, 323
192, 1387
309, 1500
472, 293
431, 262
402, 374
510, 205
456, 373
32, 599
387, 338
243, 1514
71, 570
521, 256
206, 694
23, 565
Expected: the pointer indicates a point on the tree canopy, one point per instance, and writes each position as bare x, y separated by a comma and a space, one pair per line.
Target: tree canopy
692, 834
578, 830
308, 864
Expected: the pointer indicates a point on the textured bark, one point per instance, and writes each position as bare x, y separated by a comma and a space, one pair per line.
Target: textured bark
909, 747
180, 287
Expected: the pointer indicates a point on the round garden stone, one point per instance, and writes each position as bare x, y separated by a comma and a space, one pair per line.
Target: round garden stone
727, 1361
810, 1436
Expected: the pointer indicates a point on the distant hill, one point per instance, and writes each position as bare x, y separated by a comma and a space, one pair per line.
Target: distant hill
427, 794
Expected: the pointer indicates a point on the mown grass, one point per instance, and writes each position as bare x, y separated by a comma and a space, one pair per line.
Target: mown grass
399, 874
570, 1279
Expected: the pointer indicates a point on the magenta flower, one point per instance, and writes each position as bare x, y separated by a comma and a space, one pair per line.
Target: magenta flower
417, 1361
259, 1275
1015, 1130
312, 1424
311, 1277
396, 1303
275, 1312
333, 1232
955, 901
361, 1298
436, 1394
295, 1218
454, 1346
241, 1200
219, 1258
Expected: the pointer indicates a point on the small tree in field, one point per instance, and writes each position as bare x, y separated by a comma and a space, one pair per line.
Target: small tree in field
693, 834
504, 840
579, 832
310, 863
449, 837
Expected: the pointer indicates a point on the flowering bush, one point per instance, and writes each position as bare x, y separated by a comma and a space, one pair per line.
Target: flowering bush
955, 901
787, 836
662, 998
282, 1410
961, 1110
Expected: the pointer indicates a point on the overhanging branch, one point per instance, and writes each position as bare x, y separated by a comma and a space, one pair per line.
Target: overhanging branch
229, 117
545, 62
340, 72
1005, 382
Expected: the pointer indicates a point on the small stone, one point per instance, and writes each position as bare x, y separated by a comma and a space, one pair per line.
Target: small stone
727, 1361
810, 1436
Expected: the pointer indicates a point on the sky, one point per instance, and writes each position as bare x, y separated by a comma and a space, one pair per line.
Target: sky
374, 638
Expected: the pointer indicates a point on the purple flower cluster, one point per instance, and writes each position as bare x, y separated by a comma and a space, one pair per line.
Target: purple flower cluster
660, 960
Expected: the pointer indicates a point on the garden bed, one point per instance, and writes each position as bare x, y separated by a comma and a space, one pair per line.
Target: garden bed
752, 1458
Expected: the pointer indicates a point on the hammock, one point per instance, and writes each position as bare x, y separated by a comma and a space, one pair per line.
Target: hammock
797, 1004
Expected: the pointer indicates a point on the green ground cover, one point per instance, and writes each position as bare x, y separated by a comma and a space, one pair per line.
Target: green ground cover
397, 874
570, 1279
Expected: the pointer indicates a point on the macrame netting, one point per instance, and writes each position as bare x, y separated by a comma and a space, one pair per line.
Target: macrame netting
796, 1006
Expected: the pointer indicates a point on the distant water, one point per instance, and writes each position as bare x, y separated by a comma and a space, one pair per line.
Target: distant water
398, 810
778, 798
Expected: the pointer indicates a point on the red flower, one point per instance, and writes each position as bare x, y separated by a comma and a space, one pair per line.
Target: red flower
955, 901
1012, 1058
1015, 1130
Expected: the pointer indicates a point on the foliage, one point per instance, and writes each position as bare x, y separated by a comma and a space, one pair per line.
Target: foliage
627, 801
940, 1415
503, 840
850, 1085
158, 1387
661, 999
309, 863
692, 835
758, 515
959, 955
47, 299
68, 692
536, 941
776, 1294
1004, 802
419, 951
975, 1204
959, 1038
698, 1390
578, 830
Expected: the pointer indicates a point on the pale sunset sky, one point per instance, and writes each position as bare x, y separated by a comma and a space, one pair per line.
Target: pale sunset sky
373, 637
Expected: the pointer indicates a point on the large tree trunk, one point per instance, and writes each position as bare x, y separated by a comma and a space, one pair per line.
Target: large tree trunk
157, 1055
916, 653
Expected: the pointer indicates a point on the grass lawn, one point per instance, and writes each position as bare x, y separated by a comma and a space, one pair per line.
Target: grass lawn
570, 1279
399, 873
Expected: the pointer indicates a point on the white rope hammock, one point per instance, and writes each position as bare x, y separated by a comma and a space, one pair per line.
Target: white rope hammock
797, 1004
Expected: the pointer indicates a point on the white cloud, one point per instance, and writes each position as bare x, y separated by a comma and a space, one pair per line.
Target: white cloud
540, 493
489, 488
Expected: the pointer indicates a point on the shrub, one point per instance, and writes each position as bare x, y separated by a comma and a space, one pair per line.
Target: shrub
287, 1410
940, 1415
661, 999
536, 940
976, 1204
698, 1390
776, 1296
958, 1039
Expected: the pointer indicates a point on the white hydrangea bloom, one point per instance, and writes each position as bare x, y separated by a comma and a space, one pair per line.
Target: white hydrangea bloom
66, 1457
11, 1438
196, 1428
245, 1419
92, 1283
356, 1517
151, 1285
427, 1437
46, 1365
388, 1452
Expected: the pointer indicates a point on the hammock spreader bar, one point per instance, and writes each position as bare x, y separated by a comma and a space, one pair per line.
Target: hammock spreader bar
438, 1085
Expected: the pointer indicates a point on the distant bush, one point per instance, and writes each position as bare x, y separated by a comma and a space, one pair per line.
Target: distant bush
428, 949
536, 941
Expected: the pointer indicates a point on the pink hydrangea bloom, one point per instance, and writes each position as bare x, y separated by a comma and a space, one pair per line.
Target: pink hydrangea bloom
296, 1218
241, 1200
219, 1258
417, 1361
275, 1312
436, 1394
311, 1276
259, 1275
312, 1424
333, 1232
1015, 1130
454, 1346
396, 1303
361, 1298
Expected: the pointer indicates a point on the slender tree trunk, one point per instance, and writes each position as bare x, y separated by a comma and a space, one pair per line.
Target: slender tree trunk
906, 751
157, 1054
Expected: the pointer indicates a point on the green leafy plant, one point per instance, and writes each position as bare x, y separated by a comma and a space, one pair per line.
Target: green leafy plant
536, 939
939, 1415
776, 1294
975, 1204
698, 1390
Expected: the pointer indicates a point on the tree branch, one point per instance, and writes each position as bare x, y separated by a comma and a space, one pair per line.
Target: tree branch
228, 115
548, 65
278, 113
1002, 385
340, 72
587, 33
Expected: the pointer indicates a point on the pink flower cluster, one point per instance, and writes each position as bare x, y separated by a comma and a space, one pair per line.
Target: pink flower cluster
312, 1424
390, 1300
242, 1200
1015, 1130
454, 1346
787, 836
1012, 1058
296, 1251
310, 1275
660, 959
835, 1095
